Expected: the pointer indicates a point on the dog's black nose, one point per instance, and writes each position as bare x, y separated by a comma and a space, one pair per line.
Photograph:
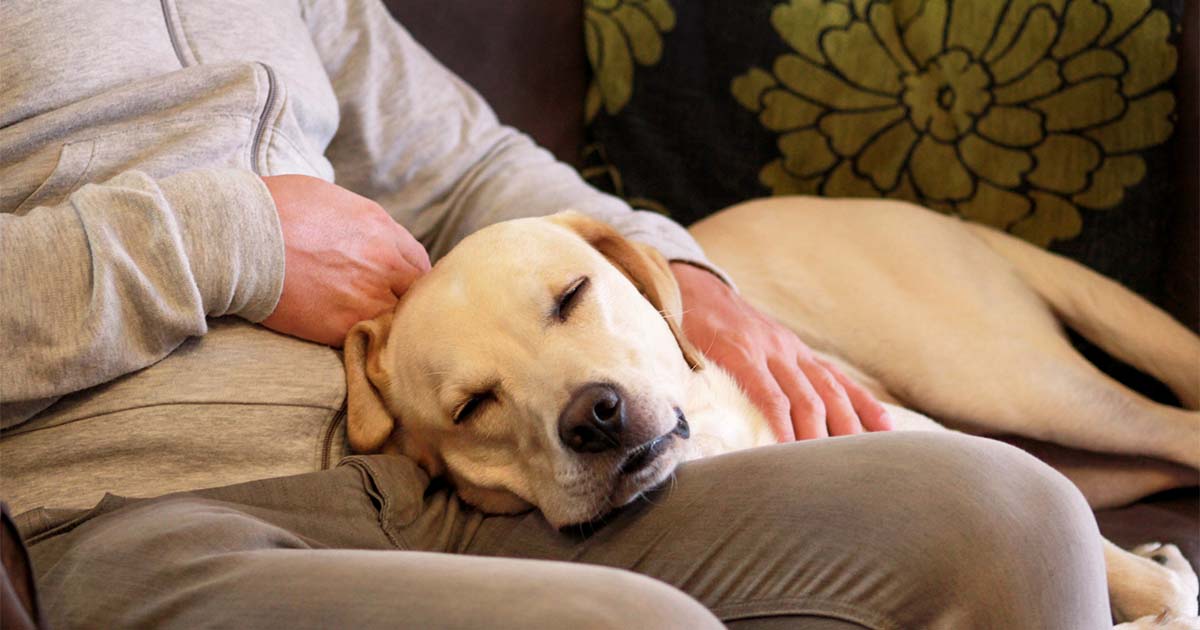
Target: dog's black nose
593, 420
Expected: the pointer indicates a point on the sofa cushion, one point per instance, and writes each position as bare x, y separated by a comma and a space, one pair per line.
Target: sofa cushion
1052, 121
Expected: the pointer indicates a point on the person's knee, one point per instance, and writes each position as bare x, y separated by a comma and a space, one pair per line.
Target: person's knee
1015, 537
1021, 477
991, 487
944, 501
956, 479
910, 525
984, 498
982, 528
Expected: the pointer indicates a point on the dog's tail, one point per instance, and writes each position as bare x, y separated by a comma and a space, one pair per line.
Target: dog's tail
1122, 323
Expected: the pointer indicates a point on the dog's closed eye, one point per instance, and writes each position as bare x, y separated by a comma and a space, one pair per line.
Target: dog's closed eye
472, 406
569, 297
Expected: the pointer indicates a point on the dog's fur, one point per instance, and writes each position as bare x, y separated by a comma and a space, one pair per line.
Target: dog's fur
951, 320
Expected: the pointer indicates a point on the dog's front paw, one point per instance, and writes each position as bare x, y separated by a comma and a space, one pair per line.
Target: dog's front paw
1158, 586
1186, 585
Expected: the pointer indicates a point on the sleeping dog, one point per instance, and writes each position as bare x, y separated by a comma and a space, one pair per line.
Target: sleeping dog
541, 363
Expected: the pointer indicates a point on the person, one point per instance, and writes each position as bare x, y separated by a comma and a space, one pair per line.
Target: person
178, 260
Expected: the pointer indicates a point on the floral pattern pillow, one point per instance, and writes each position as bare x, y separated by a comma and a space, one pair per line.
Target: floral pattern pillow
1050, 119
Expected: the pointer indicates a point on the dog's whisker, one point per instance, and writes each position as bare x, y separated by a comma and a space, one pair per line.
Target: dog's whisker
645, 496
665, 313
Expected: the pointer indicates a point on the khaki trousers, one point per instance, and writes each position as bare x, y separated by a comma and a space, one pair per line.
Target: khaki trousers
885, 531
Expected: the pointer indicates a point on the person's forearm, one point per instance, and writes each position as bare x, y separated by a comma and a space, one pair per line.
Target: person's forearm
119, 274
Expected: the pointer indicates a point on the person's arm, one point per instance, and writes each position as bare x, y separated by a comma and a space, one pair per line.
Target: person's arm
120, 273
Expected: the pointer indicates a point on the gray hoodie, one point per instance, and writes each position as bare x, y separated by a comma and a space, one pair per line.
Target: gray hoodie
138, 244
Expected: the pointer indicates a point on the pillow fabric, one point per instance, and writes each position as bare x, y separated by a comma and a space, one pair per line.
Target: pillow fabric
1050, 119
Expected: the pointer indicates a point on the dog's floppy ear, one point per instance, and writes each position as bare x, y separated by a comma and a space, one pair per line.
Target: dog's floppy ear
645, 268
368, 422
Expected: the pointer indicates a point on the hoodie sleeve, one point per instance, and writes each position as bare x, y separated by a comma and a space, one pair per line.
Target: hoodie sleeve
119, 274
420, 141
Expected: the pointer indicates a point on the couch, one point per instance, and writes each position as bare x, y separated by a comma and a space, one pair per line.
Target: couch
530, 60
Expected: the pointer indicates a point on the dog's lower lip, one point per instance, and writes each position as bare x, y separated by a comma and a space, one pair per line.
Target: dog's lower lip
641, 457
681, 425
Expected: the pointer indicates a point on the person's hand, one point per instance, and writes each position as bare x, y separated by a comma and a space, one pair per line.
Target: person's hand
346, 259
802, 396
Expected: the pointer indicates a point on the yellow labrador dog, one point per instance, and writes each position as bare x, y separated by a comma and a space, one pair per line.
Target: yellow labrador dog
541, 362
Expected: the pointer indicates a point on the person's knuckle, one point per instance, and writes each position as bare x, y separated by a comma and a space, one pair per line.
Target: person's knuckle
834, 385
354, 279
778, 399
825, 379
870, 405
809, 403
370, 210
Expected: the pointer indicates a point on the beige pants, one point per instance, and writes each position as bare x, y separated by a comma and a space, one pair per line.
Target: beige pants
893, 531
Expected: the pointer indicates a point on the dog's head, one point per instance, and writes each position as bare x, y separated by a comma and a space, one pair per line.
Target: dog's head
541, 362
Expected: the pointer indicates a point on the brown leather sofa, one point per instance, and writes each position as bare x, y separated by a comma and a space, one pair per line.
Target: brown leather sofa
527, 58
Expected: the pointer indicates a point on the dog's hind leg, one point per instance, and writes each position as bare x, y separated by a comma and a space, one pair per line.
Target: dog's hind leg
1107, 314
1106, 480
1030, 381
1045, 390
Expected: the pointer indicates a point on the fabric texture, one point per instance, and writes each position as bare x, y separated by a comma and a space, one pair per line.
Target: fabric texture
1052, 121
843, 529
131, 212
19, 605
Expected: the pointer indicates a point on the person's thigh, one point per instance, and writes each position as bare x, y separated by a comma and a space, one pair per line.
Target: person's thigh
900, 530
193, 562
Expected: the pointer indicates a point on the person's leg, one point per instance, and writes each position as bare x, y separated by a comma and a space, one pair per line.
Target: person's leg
902, 530
191, 561
882, 531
